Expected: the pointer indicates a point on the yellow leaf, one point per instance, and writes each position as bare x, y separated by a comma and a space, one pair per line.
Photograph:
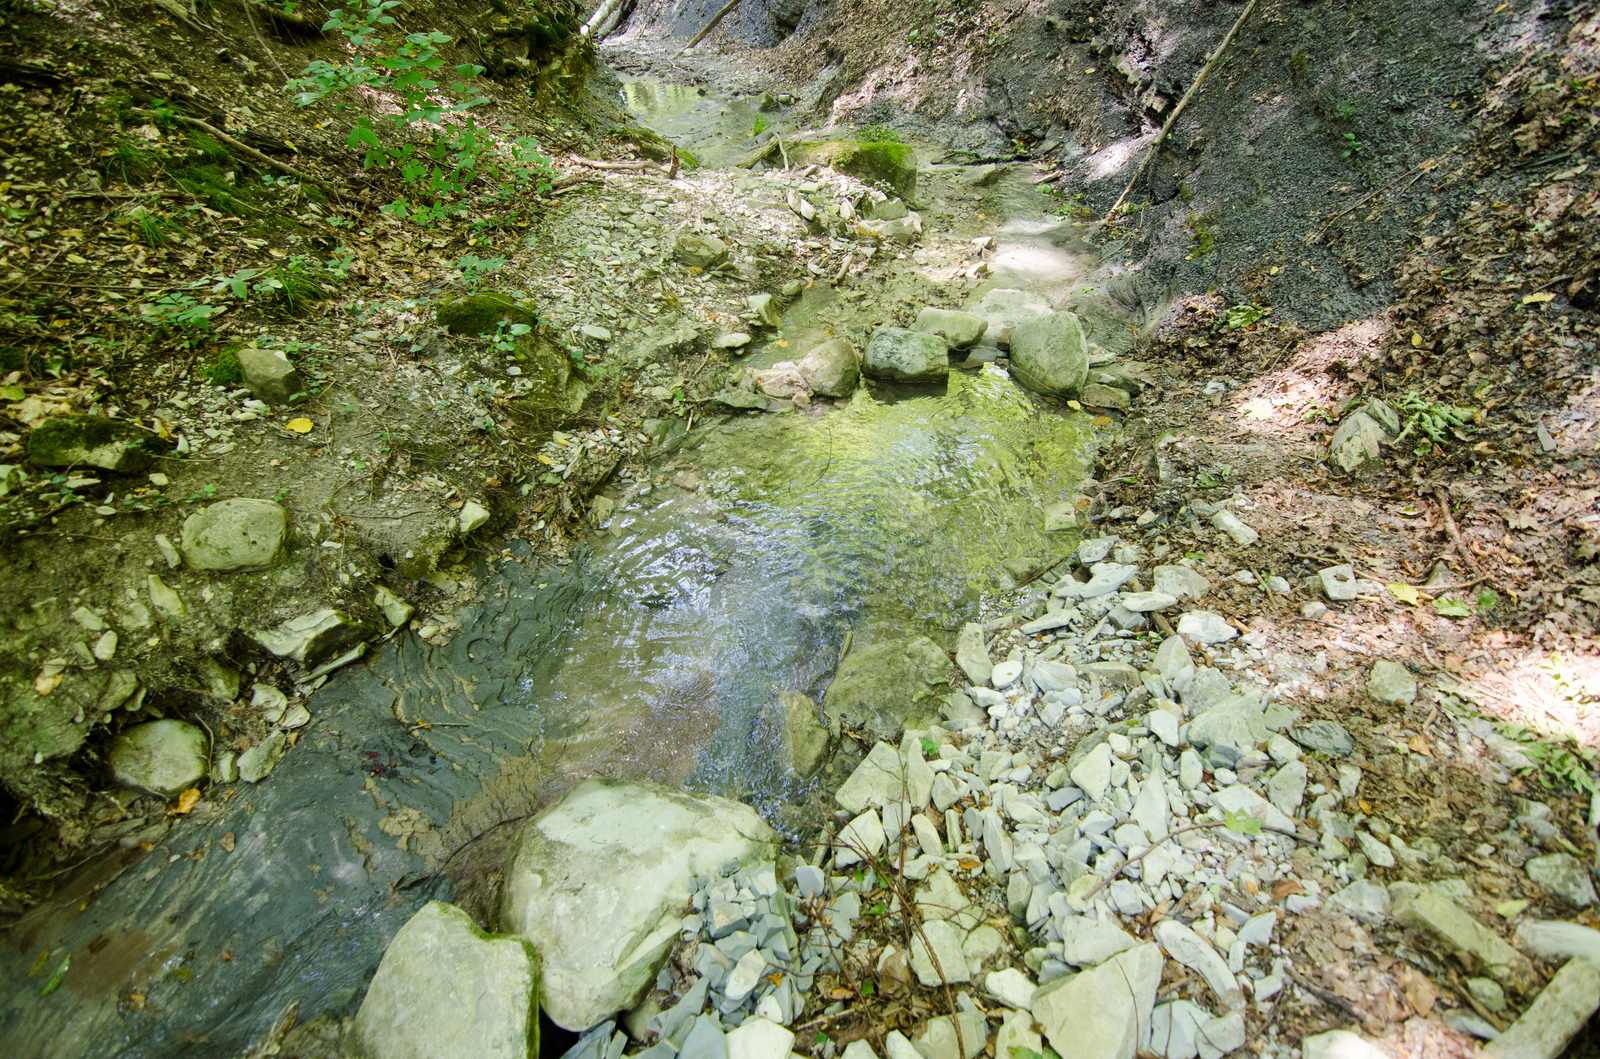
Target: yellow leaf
187, 800
783, 343
1090, 70
542, 458
1405, 593
44, 685
1501, 8
1273, 271
76, 260
1075, 406
1538, 298
301, 426
1416, 340
1420, 746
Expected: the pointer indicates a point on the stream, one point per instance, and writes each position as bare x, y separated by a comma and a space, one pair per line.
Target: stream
736, 570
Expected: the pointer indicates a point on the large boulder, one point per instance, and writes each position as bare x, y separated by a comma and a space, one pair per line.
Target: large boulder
446, 989
1103, 1013
883, 688
114, 445
239, 534
893, 164
912, 356
162, 757
597, 883
269, 375
482, 313
1049, 355
959, 330
833, 368
1004, 308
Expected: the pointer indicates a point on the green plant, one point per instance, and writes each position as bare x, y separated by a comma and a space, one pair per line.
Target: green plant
1347, 110
876, 134
1439, 422
760, 125
475, 269
179, 313
1299, 65
225, 371
1554, 764
1352, 147
1245, 315
205, 492
1203, 235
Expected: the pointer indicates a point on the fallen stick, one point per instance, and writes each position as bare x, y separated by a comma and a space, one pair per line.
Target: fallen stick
1172, 118
1452, 530
709, 26
250, 152
757, 155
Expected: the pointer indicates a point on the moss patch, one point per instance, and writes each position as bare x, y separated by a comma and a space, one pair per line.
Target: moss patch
479, 314
893, 165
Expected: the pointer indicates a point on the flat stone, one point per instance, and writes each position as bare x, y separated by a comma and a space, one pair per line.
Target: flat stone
597, 881
699, 251
1164, 725
1339, 1044
1151, 808
269, 375
1375, 850
1449, 922
257, 763
1172, 658
1233, 526
1174, 1028
1357, 443
163, 757
1191, 770
1324, 737
940, 938
1203, 626
1144, 602
1391, 682
1221, 1035
114, 445
807, 736
1094, 550
1487, 992
1016, 1036
446, 989
314, 638
1241, 799
1093, 773
759, 1038
1104, 578
705, 1040
1563, 875
1004, 308
1235, 721
765, 309
745, 976
1282, 749
861, 838
1287, 787
1182, 582
898, 353
1103, 1013
1364, 900
1195, 953
1012, 988
1099, 395
1338, 582
959, 330
878, 780
1257, 930
1005, 674
1089, 943
888, 687
1562, 1009
240, 534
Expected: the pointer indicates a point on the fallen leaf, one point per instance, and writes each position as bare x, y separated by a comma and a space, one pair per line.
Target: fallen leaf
226, 842
12, 393
301, 426
44, 685
1508, 909
1538, 298
1420, 746
1286, 888
1405, 593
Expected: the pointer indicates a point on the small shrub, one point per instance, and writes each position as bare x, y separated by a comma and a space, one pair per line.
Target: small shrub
225, 371
877, 134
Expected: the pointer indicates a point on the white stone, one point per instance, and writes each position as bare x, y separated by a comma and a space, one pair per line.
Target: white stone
1093, 773
472, 515
1163, 724
759, 1038
939, 940
1339, 1044
1012, 988
163, 757
878, 780
1203, 626
1144, 602
1287, 787
1195, 953
1241, 799
1173, 1028
1221, 1035
1103, 1013
1088, 942
1151, 808
1233, 526
862, 837
1005, 674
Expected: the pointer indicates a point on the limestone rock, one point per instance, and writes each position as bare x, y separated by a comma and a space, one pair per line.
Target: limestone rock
446, 989
314, 638
596, 882
1003, 309
257, 763
1438, 915
972, 656
1356, 444
269, 375
883, 688
940, 938
894, 164
1049, 355
1103, 1013
482, 313
832, 369
1339, 1044
1338, 582
239, 534
162, 757
1235, 721
1561, 1010
897, 353
1391, 682
1203, 626
471, 516
959, 330
1097, 395
1287, 787
808, 736
759, 1038
1327, 737
765, 309
1089, 943
1181, 581
88, 441
1195, 953
1563, 875
699, 251
878, 780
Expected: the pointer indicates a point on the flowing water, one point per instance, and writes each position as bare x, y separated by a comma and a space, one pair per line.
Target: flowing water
733, 572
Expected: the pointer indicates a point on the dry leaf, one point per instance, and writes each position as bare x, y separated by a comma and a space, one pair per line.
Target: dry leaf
1285, 888
45, 684
187, 800
226, 842
1420, 745
301, 426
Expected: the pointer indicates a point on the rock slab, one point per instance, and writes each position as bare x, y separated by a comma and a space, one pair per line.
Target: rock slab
162, 757
447, 989
1561, 1010
239, 534
1049, 355
909, 356
596, 881
1103, 1013
88, 441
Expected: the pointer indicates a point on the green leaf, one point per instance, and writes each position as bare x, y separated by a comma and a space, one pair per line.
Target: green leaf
1241, 822
12, 393
929, 747
1450, 607
1487, 599
55, 980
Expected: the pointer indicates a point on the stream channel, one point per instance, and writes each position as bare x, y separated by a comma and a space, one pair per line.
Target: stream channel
734, 572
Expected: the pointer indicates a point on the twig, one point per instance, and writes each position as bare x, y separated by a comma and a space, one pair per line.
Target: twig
709, 26
248, 151
1426, 166
1178, 110
1031, 578
1452, 529
251, 15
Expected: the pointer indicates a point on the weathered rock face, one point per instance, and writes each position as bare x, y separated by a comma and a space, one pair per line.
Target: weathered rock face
1049, 355
89, 441
596, 883
883, 688
832, 369
808, 737
163, 757
894, 164
446, 989
269, 375
480, 314
239, 534
912, 356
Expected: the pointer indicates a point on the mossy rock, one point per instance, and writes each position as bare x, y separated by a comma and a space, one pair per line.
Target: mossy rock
88, 441
657, 147
480, 314
891, 164
558, 387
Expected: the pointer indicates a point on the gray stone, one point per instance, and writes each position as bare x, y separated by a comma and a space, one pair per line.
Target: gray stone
238, 534
1233, 526
971, 655
1221, 1035
471, 517
860, 839
1089, 942
596, 882
1173, 1028
759, 1038
1364, 900
1093, 773
885, 688
943, 941
166, 602
1357, 443
1386, 417
1049, 355
1012, 988
1324, 737
808, 737
809, 881
879, 780
1172, 658
1097, 395
1103, 1013
1164, 725
269, 375
1375, 850
1338, 582
1182, 582
1339, 1044
705, 1040
959, 330
396, 611
446, 989
1195, 953
1191, 770
1241, 799
1282, 749
1563, 875
1104, 579
114, 445
1203, 626
1205, 689
1391, 682
1436, 914
765, 309
832, 369
1287, 787
699, 251
1561, 1010
1235, 721
1144, 602
1487, 992
913, 356
1089, 552
162, 757
257, 763
1003, 309
314, 638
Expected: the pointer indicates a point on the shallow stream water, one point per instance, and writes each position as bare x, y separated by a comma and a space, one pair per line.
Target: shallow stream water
735, 574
